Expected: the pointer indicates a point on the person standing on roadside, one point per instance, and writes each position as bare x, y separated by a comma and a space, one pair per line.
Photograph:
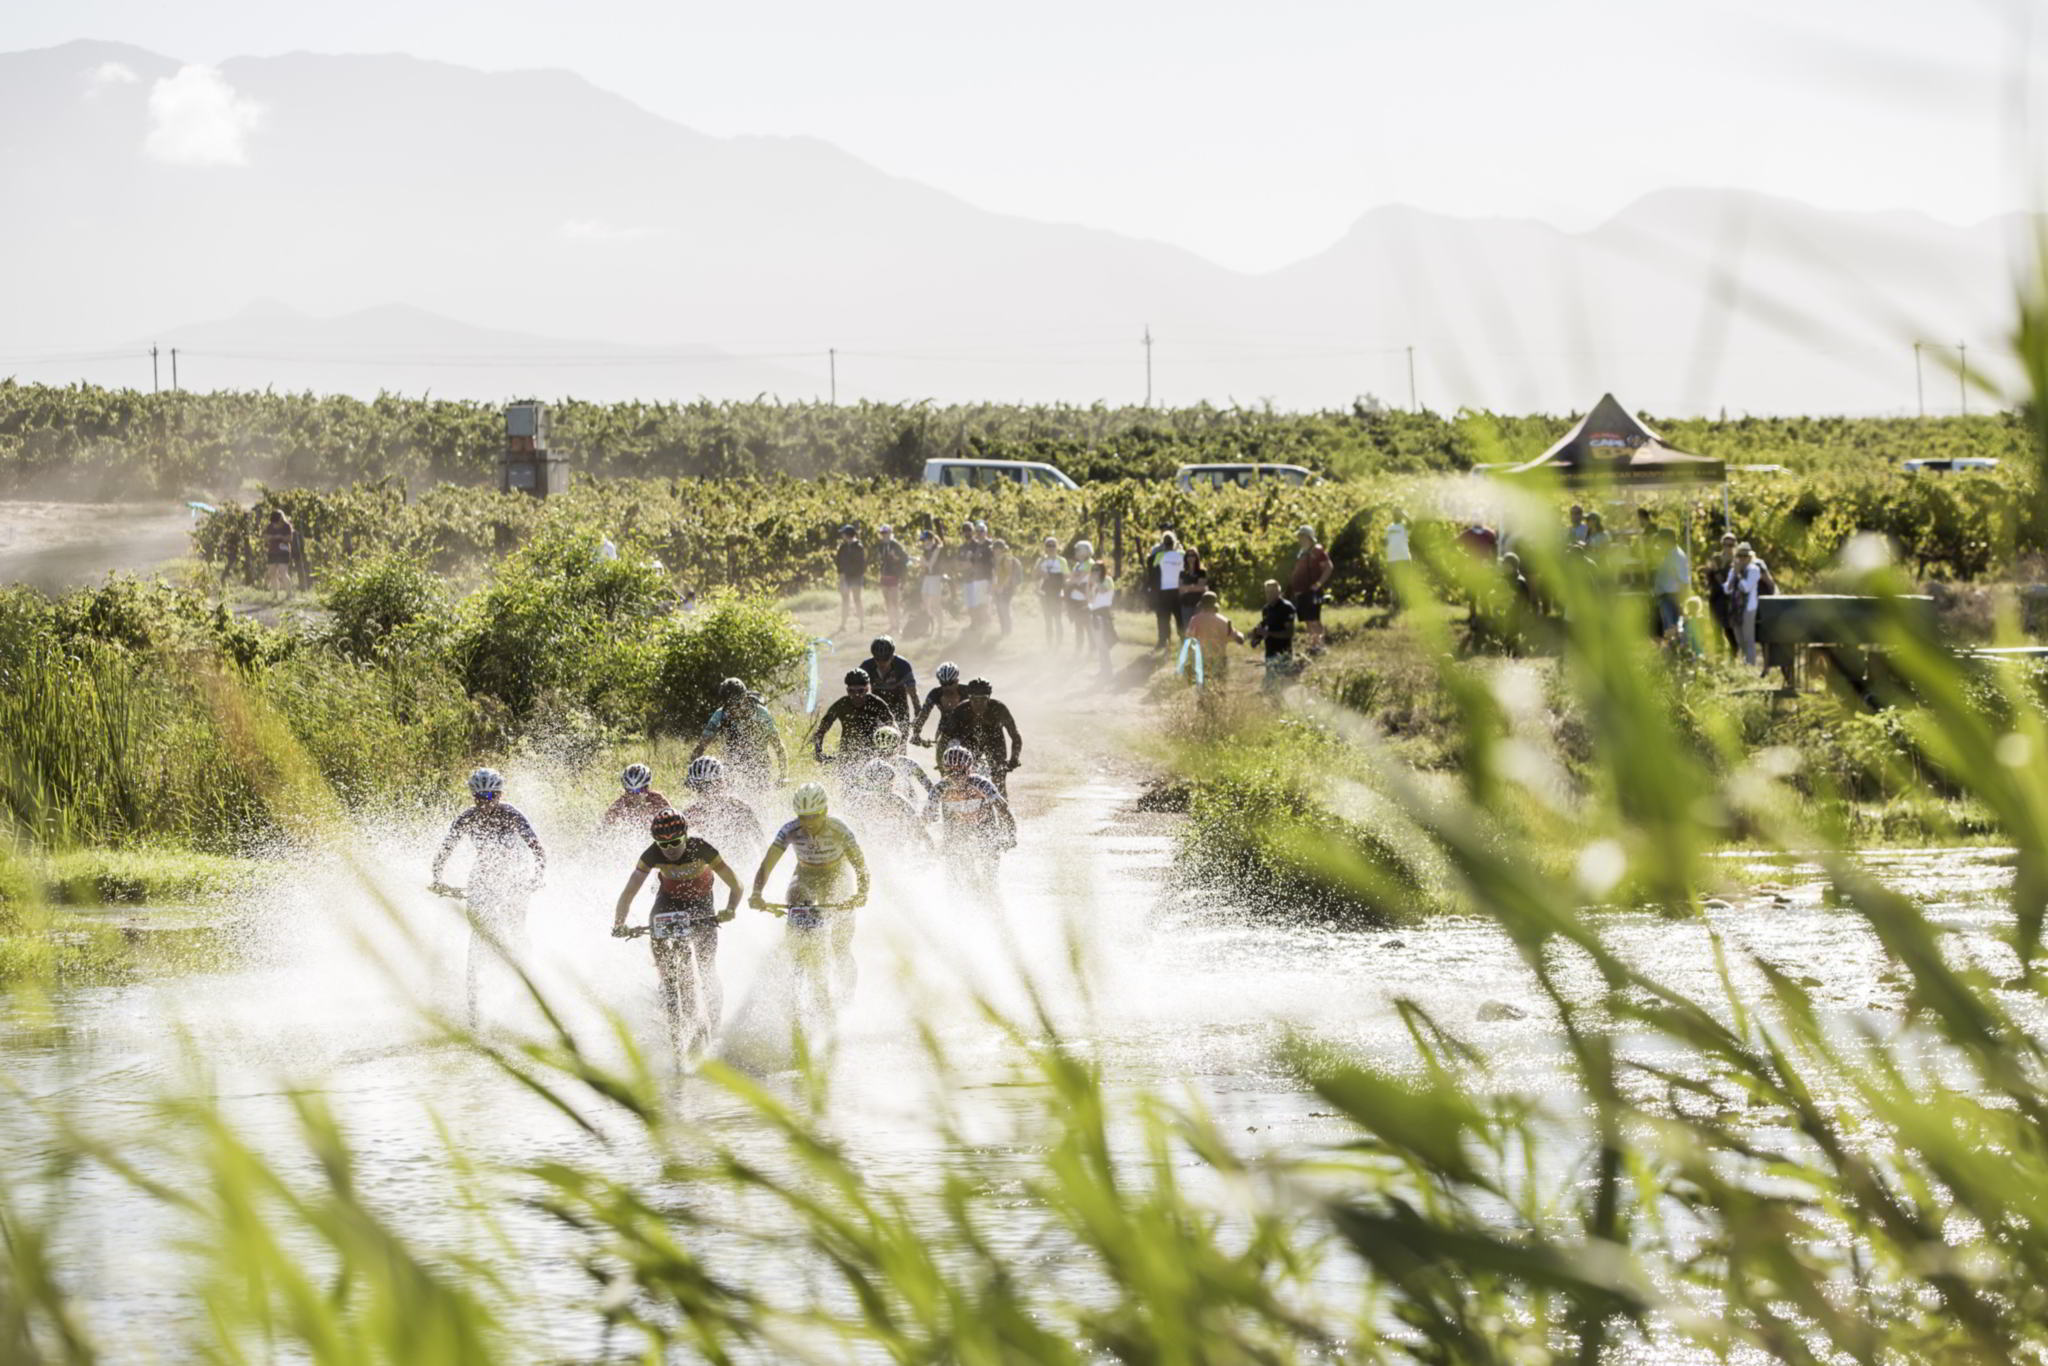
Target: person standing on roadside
1214, 635
892, 561
1670, 581
1276, 632
1718, 602
1080, 593
1051, 567
979, 555
1194, 582
892, 677
1163, 565
1008, 572
851, 559
278, 536
1312, 570
1101, 614
932, 578
1744, 586
1398, 553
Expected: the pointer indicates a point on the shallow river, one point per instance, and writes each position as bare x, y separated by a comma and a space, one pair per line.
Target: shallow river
317, 986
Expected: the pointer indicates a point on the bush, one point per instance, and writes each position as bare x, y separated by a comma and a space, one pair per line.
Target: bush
385, 603
727, 637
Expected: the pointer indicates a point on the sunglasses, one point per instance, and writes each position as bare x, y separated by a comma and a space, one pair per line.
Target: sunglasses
670, 844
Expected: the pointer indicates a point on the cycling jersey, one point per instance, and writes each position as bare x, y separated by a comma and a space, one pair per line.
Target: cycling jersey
824, 847
971, 803
747, 728
983, 728
497, 832
944, 697
634, 808
686, 878
858, 717
728, 823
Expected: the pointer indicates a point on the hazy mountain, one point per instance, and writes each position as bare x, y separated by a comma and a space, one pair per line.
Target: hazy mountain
410, 350
535, 204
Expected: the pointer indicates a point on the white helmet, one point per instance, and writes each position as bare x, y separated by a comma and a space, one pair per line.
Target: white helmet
704, 771
949, 672
809, 800
487, 782
637, 778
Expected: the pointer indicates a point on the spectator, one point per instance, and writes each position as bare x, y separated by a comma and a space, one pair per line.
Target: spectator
1101, 614
1162, 583
1670, 580
1214, 634
1577, 528
1480, 540
1052, 588
1276, 632
1596, 538
978, 570
851, 559
893, 561
1312, 570
1744, 585
932, 577
1718, 566
1398, 553
278, 536
1080, 592
1008, 572
607, 549
1194, 582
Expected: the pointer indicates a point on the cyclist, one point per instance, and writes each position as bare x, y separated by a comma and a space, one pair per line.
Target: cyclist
889, 749
975, 822
947, 695
858, 715
748, 731
717, 815
826, 852
637, 805
987, 730
683, 926
875, 806
502, 874
892, 678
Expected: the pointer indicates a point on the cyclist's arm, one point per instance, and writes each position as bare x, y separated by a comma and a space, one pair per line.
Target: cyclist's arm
832, 714
540, 855
774, 733
768, 862
633, 885
732, 884
931, 699
1016, 740
448, 843
860, 870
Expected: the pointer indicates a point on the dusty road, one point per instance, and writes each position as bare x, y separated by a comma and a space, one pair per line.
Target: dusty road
55, 546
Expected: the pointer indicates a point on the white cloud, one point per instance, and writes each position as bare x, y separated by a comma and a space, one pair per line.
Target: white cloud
597, 230
109, 74
197, 119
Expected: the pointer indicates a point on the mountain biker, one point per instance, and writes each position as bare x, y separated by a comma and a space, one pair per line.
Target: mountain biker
892, 678
502, 874
637, 805
717, 815
748, 731
949, 694
826, 853
858, 715
889, 749
876, 807
987, 730
975, 824
683, 925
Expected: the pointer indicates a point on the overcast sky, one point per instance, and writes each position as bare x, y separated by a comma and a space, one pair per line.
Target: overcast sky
1251, 133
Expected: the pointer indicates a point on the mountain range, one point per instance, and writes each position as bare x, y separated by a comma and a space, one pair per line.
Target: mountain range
358, 223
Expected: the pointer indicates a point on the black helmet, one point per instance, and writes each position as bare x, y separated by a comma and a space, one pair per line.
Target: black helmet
669, 827
882, 645
980, 687
731, 690
857, 678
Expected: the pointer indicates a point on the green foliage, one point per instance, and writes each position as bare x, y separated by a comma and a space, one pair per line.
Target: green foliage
726, 637
384, 604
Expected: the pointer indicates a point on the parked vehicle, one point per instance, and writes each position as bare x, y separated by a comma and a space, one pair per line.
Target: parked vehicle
983, 474
1955, 465
1220, 476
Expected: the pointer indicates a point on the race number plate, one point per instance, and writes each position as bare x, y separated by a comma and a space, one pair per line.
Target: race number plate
669, 927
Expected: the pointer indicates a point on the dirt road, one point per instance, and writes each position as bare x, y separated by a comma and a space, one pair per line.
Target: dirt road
55, 546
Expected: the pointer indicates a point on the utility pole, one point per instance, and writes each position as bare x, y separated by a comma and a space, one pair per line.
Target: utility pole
1413, 407
832, 359
152, 367
174, 369
1148, 365
1963, 378
1919, 386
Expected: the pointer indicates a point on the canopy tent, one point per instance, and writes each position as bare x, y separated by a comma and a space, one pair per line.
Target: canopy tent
1608, 447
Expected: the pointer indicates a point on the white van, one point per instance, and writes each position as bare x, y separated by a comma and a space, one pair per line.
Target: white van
982, 474
1955, 465
1223, 476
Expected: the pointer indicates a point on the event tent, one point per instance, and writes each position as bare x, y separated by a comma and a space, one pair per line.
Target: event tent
1610, 447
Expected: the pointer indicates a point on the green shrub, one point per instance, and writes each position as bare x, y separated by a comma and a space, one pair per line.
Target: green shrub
728, 636
382, 604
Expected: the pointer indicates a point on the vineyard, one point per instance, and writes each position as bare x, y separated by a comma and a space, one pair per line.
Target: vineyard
105, 443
